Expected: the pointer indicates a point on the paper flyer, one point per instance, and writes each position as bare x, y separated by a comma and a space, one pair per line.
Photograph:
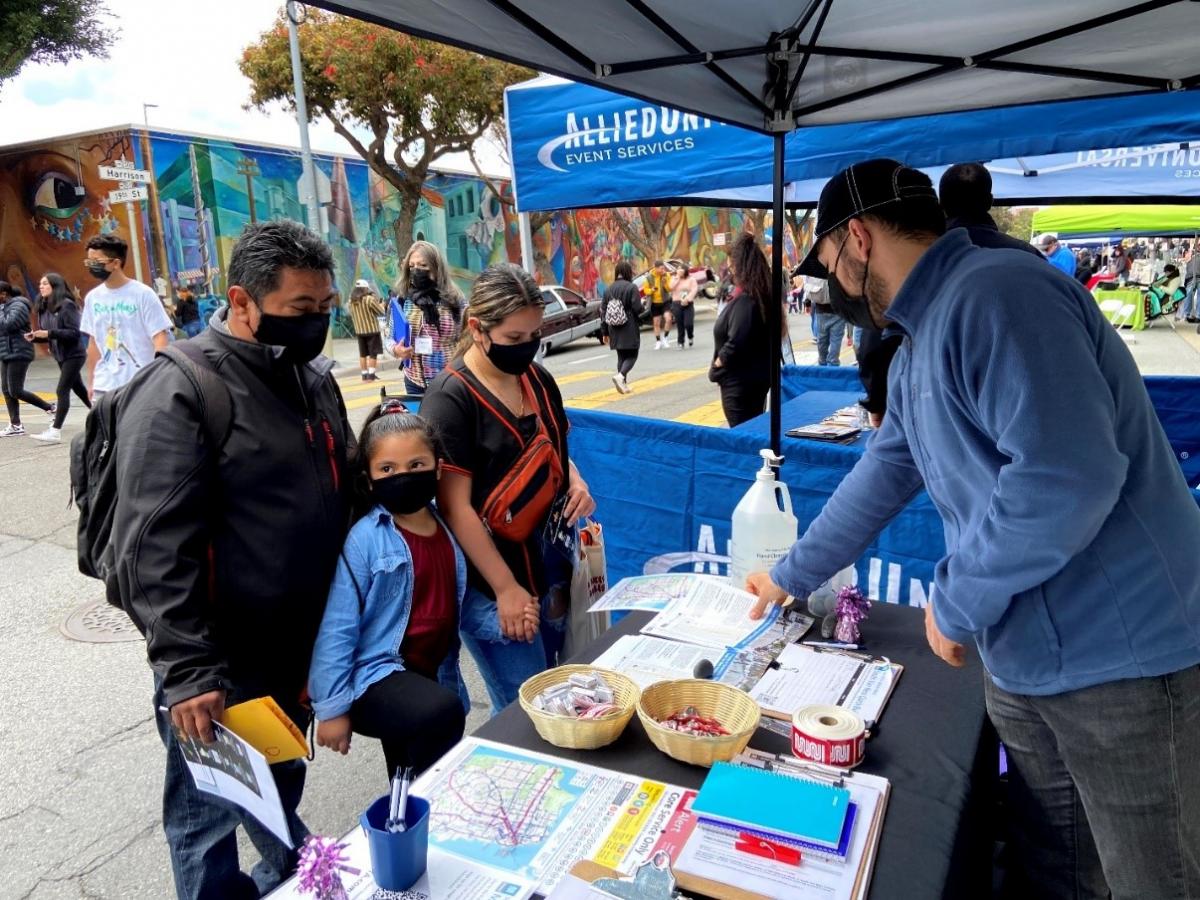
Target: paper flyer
534, 816
446, 876
647, 659
713, 614
809, 675
647, 593
230, 768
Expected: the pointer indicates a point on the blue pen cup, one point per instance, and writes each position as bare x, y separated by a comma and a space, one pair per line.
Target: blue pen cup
397, 860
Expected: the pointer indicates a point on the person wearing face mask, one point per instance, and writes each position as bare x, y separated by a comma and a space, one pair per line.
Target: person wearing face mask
124, 318
432, 309
227, 544
504, 429
385, 663
1017, 406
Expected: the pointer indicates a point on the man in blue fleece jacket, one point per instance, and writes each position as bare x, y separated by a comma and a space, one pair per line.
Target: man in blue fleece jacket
1072, 540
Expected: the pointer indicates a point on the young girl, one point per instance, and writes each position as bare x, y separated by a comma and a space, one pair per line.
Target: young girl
385, 663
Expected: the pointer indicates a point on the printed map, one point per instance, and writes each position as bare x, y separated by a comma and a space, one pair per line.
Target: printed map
501, 808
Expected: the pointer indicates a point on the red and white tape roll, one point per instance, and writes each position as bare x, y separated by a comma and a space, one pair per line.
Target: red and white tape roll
829, 735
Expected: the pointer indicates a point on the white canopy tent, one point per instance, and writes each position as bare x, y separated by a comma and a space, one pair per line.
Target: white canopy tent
776, 65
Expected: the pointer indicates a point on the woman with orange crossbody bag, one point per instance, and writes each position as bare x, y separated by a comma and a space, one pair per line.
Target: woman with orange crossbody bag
501, 420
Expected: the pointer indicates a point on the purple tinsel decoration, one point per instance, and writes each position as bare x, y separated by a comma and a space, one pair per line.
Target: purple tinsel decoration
321, 859
852, 608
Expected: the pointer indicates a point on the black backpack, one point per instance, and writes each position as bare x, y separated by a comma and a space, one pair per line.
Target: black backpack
93, 455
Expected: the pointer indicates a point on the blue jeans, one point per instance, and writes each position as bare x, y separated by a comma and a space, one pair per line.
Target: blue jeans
191, 329
830, 331
1104, 789
200, 829
1191, 302
505, 664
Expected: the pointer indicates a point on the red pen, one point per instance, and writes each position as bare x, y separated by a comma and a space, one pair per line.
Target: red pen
756, 846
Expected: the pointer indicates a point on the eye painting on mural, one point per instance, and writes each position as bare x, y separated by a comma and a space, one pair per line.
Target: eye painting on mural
203, 191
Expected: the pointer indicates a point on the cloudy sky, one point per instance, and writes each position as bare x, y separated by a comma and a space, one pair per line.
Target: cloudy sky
182, 56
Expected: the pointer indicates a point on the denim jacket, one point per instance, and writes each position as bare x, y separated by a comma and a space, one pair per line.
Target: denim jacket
356, 649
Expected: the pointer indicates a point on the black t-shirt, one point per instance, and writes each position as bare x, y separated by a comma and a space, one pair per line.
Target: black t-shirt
480, 443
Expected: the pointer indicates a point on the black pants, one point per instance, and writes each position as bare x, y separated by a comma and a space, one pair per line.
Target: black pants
742, 401
625, 361
415, 718
685, 321
12, 380
69, 380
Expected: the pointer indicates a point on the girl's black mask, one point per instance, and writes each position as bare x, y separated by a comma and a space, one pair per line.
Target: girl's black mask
406, 492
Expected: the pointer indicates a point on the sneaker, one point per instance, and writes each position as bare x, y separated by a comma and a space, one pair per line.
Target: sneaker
51, 435
691, 343
619, 382
657, 344
366, 377
681, 347
13, 431
371, 376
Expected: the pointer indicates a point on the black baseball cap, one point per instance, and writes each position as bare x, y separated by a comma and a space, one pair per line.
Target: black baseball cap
860, 189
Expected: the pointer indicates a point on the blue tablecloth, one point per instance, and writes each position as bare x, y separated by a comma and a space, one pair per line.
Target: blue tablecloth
807, 409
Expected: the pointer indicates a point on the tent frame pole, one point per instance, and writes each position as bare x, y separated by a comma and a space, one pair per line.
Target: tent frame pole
775, 319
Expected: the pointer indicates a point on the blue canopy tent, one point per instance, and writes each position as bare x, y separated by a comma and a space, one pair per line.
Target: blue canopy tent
875, 73
576, 145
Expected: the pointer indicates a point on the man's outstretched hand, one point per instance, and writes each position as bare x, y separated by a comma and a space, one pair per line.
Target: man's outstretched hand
193, 718
767, 592
952, 652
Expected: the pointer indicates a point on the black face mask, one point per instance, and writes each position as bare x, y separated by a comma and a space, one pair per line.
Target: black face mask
854, 308
301, 337
513, 359
420, 280
98, 270
406, 492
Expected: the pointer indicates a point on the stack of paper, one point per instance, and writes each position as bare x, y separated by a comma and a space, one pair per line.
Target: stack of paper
803, 676
711, 855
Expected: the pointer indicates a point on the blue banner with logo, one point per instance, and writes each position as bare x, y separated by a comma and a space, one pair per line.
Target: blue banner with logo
575, 145
666, 491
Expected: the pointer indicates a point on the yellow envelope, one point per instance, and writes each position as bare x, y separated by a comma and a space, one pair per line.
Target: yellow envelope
267, 728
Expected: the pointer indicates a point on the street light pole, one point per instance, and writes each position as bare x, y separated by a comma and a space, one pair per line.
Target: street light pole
146, 107
311, 202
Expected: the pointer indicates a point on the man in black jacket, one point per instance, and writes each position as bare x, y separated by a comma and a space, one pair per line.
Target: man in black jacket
226, 552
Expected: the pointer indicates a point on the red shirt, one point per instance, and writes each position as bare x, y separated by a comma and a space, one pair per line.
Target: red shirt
434, 617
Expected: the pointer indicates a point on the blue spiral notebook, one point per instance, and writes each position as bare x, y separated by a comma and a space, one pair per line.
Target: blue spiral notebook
770, 803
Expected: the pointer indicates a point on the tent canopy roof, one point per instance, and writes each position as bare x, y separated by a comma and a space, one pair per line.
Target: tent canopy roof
773, 66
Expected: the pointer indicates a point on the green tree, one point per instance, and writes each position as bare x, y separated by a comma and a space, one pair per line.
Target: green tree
424, 99
1015, 220
41, 31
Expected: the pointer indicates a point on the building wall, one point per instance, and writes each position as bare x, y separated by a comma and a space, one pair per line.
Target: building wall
52, 200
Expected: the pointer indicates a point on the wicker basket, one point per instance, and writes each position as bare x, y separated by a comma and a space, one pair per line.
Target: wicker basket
734, 709
580, 734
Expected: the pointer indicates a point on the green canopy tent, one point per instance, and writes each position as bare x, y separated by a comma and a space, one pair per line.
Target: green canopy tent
1117, 221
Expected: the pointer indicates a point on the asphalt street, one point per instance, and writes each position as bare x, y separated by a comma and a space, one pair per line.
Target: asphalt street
80, 786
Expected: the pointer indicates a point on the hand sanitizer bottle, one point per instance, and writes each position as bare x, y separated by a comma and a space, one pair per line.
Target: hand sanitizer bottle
764, 528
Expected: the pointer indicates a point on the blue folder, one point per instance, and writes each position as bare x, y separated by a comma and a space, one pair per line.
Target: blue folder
400, 328
771, 803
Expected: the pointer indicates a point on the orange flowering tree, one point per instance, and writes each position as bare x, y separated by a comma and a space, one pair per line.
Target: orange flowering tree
417, 99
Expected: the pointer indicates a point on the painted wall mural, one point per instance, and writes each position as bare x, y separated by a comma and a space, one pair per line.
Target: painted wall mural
205, 190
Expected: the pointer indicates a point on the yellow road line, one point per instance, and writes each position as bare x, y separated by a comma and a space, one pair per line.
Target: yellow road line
576, 377
640, 386
709, 414
356, 386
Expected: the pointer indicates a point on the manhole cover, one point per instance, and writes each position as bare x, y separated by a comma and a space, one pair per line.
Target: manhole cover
98, 622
